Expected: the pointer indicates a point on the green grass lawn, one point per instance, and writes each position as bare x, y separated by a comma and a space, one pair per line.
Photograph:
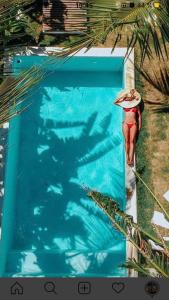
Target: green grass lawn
145, 202
150, 148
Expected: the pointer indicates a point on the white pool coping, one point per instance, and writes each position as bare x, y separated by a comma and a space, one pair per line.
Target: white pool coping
94, 51
129, 82
131, 208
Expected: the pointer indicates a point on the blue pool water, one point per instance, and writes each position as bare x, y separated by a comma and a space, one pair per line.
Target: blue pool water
70, 137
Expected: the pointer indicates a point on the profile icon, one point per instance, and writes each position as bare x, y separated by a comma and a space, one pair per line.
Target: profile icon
152, 288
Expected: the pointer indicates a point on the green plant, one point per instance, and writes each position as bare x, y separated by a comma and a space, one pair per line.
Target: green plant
150, 262
32, 28
12, 21
143, 26
15, 93
48, 40
159, 79
15, 90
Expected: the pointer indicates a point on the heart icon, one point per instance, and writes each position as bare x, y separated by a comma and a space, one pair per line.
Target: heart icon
118, 287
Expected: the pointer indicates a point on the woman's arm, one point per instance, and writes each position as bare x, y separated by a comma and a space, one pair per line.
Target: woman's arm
118, 100
139, 119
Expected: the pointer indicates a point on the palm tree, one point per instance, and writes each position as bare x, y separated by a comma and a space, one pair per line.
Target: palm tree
150, 262
13, 23
144, 26
158, 78
14, 90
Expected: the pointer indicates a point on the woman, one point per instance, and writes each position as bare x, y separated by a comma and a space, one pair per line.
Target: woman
132, 122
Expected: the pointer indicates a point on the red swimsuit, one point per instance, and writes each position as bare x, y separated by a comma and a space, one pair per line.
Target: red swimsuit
133, 109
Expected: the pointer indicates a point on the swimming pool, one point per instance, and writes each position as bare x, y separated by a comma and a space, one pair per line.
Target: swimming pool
70, 137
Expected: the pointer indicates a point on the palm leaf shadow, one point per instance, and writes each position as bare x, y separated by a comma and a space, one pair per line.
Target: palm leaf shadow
159, 79
53, 167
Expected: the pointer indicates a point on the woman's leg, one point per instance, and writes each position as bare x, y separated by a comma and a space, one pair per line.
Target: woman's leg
133, 132
127, 140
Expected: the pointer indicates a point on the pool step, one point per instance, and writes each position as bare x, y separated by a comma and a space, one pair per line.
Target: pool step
63, 264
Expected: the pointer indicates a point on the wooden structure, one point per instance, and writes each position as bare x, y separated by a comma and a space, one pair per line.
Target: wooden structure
64, 16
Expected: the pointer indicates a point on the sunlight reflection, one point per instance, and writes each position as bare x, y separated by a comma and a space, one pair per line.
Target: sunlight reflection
62, 243
42, 148
79, 263
37, 210
67, 133
56, 189
29, 263
100, 235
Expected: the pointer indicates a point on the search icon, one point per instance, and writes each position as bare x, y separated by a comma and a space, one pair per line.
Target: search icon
50, 287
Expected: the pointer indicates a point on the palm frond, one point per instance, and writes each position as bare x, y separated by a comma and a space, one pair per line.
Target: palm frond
139, 268
159, 78
138, 238
16, 91
153, 195
13, 20
143, 26
166, 248
13, 10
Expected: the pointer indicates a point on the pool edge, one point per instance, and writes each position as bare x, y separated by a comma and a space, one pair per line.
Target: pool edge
131, 208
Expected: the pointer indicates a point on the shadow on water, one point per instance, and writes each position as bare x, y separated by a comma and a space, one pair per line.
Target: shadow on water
55, 219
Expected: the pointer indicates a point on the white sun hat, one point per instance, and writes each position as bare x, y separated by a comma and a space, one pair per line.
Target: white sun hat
131, 103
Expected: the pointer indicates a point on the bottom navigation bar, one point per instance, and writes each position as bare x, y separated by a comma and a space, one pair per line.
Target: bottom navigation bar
86, 288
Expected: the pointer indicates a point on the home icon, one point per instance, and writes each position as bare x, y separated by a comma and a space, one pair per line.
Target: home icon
16, 289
